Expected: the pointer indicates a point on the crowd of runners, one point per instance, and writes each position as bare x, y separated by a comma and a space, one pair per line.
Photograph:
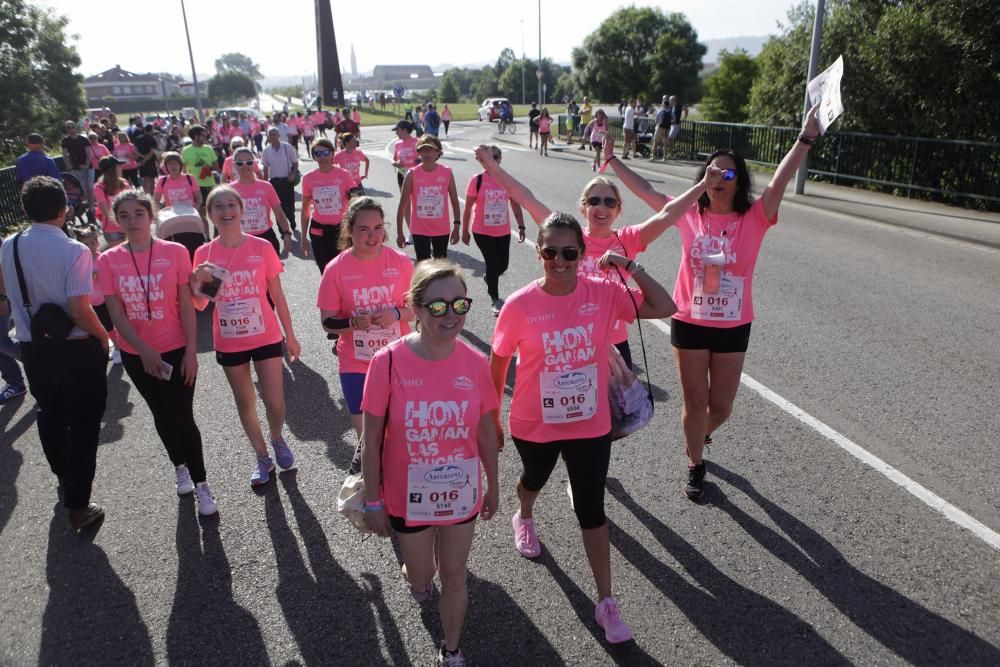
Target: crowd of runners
425, 405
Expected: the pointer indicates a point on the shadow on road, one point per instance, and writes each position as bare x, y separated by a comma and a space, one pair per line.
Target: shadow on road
318, 417
747, 627
91, 616
11, 460
908, 629
118, 406
205, 621
393, 640
326, 610
629, 653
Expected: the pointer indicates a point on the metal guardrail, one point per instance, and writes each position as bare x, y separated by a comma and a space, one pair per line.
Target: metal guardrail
956, 172
11, 213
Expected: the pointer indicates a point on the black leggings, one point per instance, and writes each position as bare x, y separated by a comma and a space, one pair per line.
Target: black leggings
422, 244
587, 464
324, 247
172, 404
496, 254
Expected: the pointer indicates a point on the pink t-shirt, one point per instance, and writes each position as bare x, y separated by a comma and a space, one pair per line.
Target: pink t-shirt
352, 287
351, 161
101, 197
356, 117
727, 247
318, 118
99, 150
405, 152
308, 129
154, 284
126, 152
235, 131
562, 345
625, 241
96, 293
434, 413
228, 168
429, 213
329, 197
491, 210
243, 318
259, 198
544, 124
180, 190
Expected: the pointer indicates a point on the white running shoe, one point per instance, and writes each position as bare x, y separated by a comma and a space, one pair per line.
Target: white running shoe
116, 357
206, 499
184, 483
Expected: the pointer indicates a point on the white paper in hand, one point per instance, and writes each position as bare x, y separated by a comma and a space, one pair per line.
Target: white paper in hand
825, 89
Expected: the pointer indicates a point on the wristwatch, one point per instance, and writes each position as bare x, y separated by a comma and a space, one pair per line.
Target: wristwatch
457, 223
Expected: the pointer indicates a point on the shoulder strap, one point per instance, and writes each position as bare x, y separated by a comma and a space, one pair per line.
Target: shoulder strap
20, 275
642, 341
163, 181
479, 184
190, 180
624, 250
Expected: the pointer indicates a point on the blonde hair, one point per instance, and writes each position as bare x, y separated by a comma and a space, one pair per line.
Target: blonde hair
593, 183
173, 156
217, 191
357, 205
428, 272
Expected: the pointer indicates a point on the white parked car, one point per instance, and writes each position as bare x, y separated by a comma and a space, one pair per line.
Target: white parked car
490, 108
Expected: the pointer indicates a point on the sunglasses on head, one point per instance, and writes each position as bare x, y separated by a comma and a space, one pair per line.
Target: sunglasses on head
322, 152
609, 202
243, 163
439, 307
728, 174
570, 254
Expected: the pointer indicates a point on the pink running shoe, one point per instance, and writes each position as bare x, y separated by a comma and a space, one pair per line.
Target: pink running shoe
609, 617
525, 540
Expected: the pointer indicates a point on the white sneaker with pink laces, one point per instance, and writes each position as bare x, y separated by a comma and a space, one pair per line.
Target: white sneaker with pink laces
525, 540
609, 617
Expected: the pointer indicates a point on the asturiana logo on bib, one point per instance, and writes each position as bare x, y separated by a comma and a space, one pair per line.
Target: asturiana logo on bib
462, 382
445, 475
588, 309
238, 308
572, 381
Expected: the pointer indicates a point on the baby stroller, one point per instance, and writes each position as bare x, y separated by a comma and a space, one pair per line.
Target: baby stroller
181, 224
76, 198
644, 137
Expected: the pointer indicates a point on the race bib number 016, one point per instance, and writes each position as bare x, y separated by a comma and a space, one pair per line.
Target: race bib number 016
442, 493
568, 396
726, 305
367, 343
238, 319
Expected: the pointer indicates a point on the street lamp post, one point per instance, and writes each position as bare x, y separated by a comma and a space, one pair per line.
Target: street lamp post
803, 173
522, 62
539, 53
194, 74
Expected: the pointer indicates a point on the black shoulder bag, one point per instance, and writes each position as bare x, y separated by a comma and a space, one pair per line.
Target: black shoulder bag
50, 324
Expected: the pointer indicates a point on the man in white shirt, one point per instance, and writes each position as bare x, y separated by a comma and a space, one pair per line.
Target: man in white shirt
629, 127
280, 163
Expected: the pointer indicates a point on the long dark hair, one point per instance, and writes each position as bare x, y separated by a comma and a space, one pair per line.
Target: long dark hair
558, 220
742, 200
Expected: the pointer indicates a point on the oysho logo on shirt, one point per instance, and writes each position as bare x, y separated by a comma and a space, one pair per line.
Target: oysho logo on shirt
588, 309
161, 263
462, 382
541, 318
391, 272
352, 276
409, 382
254, 259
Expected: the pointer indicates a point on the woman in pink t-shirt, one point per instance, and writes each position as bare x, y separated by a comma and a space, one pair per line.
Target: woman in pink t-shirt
259, 201
429, 434
446, 118
145, 284
97, 148
560, 326
176, 187
240, 271
544, 131
326, 192
488, 206
351, 158
107, 187
362, 297
124, 150
427, 190
721, 236
601, 205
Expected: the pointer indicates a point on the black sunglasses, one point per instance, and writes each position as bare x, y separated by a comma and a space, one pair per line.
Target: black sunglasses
243, 163
439, 307
609, 202
322, 152
570, 254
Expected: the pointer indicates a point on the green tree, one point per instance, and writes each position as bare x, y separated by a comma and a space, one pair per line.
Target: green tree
639, 51
506, 59
449, 89
37, 83
230, 87
237, 62
727, 89
486, 86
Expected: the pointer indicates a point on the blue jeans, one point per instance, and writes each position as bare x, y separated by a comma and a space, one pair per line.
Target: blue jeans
9, 353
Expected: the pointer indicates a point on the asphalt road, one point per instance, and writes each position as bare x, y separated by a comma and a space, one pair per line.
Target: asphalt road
799, 554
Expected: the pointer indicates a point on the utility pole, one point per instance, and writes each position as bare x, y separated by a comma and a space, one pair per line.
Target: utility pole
522, 62
539, 72
803, 174
194, 74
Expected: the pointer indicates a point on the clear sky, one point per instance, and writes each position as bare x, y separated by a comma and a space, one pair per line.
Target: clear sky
145, 36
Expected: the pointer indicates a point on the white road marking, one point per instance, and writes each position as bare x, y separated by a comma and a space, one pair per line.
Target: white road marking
922, 493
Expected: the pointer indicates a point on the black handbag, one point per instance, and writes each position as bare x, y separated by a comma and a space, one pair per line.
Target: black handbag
50, 323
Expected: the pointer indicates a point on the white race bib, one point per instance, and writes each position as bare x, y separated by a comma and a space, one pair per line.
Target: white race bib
430, 205
238, 319
439, 493
495, 209
367, 343
327, 199
725, 306
254, 220
568, 396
